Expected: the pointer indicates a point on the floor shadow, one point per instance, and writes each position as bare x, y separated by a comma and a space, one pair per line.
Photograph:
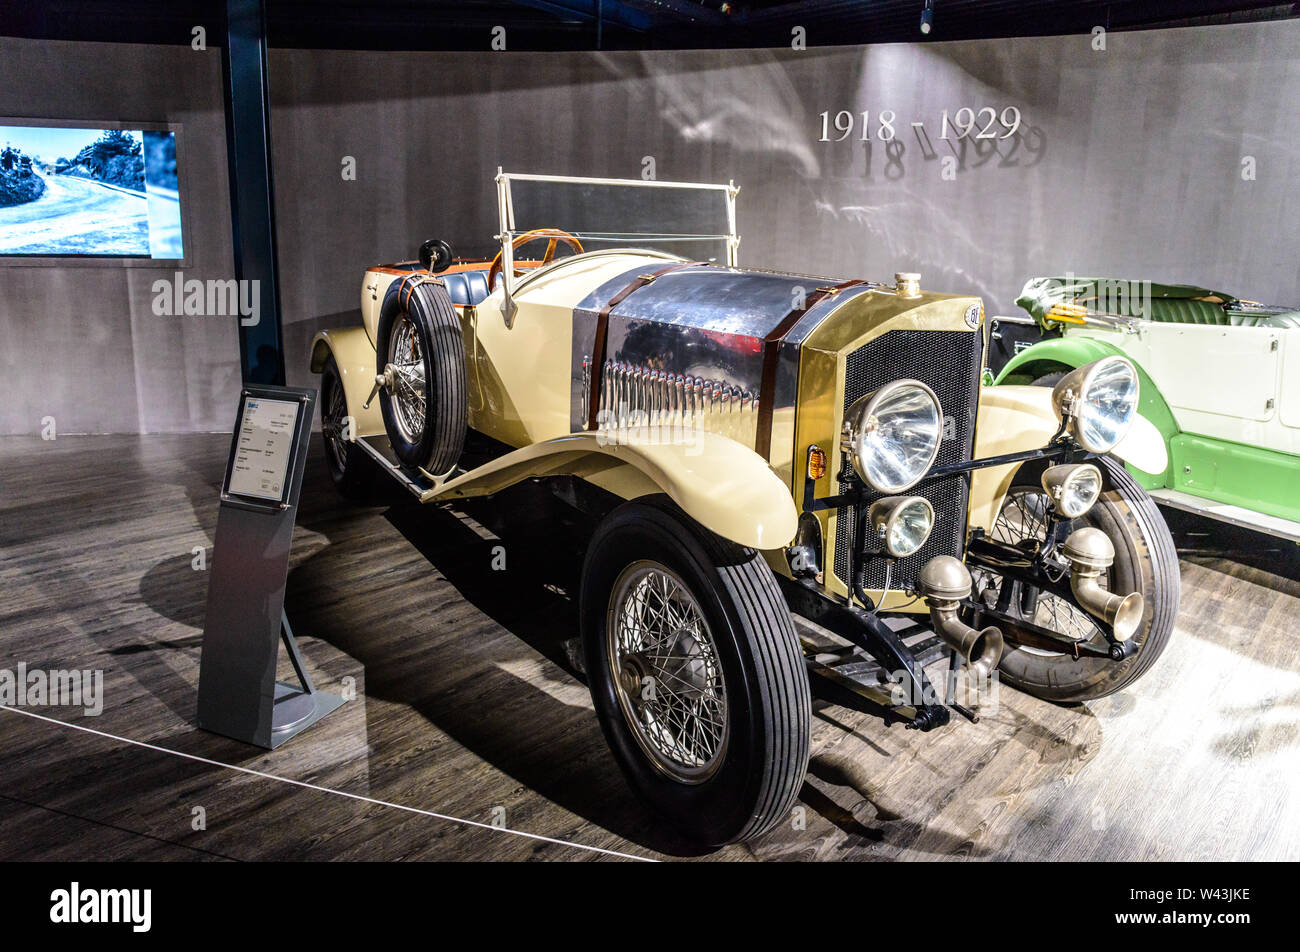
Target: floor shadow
550, 746
1215, 544
836, 815
177, 591
540, 542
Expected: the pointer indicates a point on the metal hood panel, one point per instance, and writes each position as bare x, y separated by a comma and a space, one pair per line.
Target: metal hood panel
724, 300
702, 321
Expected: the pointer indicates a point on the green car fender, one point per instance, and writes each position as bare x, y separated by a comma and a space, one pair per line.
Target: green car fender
1067, 353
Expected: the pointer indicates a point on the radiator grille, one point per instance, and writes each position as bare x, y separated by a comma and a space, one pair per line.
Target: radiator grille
949, 363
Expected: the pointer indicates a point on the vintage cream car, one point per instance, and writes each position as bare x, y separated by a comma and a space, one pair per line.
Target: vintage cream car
759, 445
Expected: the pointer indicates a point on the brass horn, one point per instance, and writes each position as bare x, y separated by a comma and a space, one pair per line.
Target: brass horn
1090, 552
944, 581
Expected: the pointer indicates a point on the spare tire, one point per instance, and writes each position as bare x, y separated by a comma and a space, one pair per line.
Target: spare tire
420, 349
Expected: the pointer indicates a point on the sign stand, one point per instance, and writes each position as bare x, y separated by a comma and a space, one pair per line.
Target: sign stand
246, 620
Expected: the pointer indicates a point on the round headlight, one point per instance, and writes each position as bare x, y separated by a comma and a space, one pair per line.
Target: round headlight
1073, 489
902, 523
892, 435
1097, 402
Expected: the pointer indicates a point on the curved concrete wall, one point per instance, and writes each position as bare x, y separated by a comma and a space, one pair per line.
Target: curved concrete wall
1128, 162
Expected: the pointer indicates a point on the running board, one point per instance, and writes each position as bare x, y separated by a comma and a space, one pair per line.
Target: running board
419, 483
1232, 515
554, 457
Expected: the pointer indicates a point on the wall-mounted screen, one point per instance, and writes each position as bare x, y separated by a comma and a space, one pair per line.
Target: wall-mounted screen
68, 191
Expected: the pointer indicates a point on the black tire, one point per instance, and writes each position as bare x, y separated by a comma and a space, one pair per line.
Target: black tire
435, 443
1145, 561
760, 768
352, 471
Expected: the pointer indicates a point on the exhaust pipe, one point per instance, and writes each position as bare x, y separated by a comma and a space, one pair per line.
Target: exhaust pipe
1090, 552
944, 582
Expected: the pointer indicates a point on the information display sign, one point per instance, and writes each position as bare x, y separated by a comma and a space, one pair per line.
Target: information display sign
266, 437
246, 622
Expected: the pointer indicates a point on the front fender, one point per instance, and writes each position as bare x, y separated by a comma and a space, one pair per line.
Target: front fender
720, 483
355, 356
1052, 354
1067, 353
1012, 419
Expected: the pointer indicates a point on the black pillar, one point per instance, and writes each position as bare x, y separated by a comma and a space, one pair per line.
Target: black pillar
252, 207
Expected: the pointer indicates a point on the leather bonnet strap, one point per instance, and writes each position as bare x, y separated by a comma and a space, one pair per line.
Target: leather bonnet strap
408, 286
771, 353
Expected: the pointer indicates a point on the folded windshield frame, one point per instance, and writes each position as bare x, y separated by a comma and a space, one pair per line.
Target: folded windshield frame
509, 231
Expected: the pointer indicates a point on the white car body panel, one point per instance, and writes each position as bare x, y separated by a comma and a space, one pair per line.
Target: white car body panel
1219, 381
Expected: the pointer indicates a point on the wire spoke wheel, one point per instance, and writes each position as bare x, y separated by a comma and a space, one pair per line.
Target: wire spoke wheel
408, 392
350, 469
1145, 562
695, 672
333, 421
1022, 522
668, 677
420, 356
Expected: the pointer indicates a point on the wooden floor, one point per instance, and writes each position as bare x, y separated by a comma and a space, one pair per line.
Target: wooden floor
467, 710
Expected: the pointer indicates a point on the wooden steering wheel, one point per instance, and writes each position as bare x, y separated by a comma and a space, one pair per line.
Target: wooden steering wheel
553, 236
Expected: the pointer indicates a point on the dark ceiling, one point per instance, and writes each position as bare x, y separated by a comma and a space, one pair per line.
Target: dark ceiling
611, 24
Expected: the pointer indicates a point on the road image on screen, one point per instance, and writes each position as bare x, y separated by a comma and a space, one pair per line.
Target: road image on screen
100, 192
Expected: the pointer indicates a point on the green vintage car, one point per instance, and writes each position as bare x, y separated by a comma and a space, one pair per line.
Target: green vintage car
1220, 379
